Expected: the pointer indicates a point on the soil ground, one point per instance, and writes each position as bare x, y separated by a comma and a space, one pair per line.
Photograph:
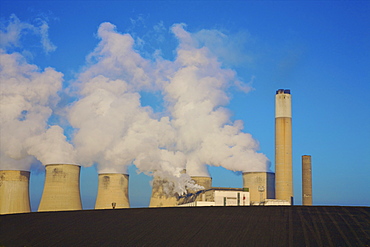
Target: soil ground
196, 226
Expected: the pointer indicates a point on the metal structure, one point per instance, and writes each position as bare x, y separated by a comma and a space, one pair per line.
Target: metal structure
112, 191
61, 189
283, 146
14, 192
306, 180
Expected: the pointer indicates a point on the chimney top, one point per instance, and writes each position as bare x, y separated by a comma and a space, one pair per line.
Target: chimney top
283, 91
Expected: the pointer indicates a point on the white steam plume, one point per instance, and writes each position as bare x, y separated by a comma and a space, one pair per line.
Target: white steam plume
27, 97
196, 94
114, 130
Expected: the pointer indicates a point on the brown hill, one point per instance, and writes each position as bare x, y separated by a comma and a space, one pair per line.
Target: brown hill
199, 226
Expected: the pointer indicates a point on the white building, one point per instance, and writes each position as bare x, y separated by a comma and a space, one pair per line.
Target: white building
216, 197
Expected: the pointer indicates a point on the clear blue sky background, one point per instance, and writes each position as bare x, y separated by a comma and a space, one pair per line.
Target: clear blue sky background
318, 49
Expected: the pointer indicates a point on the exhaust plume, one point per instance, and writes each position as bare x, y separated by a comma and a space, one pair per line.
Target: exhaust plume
28, 96
114, 130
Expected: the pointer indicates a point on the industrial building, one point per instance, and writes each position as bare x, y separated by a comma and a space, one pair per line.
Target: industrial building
215, 197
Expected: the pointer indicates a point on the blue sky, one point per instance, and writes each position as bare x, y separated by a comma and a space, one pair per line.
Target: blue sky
320, 50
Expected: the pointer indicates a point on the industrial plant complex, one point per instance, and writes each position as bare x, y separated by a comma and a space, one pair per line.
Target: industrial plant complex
181, 220
62, 182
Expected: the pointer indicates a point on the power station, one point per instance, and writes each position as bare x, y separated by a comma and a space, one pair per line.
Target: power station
62, 181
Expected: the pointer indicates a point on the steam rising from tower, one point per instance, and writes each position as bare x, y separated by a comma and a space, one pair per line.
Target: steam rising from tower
283, 146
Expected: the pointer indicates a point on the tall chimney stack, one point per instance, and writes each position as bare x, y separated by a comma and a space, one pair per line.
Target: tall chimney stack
14, 192
306, 180
112, 191
283, 146
61, 189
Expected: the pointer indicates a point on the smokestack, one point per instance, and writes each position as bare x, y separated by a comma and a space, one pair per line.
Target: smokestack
283, 145
306, 180
112, 191
159, 196
61, 189
14, 192
261, 185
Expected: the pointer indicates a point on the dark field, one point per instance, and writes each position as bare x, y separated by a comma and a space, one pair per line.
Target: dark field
201, 226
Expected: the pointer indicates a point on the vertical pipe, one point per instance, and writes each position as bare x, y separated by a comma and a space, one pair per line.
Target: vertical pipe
306, 180
283, 146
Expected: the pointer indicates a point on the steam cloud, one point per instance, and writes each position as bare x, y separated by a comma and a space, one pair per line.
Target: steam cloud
27, 97
112, 128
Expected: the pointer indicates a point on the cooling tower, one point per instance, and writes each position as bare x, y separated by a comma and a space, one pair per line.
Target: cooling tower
261, 186
206, 182
306, 180
112, 191
61, 189
14, 192
283, 146
162, 195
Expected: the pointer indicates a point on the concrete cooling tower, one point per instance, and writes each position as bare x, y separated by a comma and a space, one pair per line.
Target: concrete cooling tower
14, 192
261, 186
283, 146
112, 191
206, 182
162, 195
306, 180
61, 189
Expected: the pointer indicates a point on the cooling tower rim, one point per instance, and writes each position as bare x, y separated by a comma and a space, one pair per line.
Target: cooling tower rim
113, 173
257, 172
62, 164
7, 170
